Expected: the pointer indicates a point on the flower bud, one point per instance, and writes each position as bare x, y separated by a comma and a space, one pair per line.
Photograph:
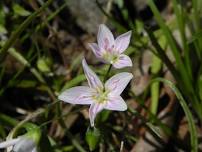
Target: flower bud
92, 138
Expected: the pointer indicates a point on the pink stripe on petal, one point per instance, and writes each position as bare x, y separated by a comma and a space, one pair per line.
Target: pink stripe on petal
116, 103
95, 108
123, 61
77, 95
93, 80
96, 50
118, 82
105, 37
122, 42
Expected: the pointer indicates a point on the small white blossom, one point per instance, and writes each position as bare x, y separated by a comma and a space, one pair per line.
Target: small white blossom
99, 96
20, 144
111, 50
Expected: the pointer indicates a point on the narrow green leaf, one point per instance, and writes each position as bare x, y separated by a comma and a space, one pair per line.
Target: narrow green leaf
18, 57
78, 79
19, 10
27, 84
188, 114
25, 63
172, 43
180, 18
155, 68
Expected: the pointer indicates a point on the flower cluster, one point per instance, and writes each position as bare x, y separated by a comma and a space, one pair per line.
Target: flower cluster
97, 95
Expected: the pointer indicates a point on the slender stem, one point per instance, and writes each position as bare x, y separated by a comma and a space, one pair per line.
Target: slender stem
107, 73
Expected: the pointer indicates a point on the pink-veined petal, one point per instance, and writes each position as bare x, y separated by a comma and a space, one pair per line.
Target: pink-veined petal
77, 95
116, 103
95, 108
122, 61
93, 80
122, 42
118, 82
105, 37
96, 50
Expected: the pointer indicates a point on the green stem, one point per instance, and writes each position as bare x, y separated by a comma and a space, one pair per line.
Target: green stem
107, 73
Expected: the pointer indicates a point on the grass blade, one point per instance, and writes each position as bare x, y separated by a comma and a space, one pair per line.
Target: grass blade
172, 44
188, 114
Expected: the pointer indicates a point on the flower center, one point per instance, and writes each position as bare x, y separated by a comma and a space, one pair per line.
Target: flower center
101, 97
110, 57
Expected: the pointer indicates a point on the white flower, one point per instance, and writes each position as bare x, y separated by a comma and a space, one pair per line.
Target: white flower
111, 50
20, 144
99, 96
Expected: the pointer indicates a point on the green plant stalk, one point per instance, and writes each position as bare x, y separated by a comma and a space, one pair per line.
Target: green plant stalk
20, 29
184, 76
180, 18
186, 84
25, 63
196, 5
155, 68
78, 79
191, 96
196, 15
188, 114
162, 55
8, 120
107, 73
154, 97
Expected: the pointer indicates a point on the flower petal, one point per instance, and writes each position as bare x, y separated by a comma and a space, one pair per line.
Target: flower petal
116, 103
24, 145
34, 150
9, 143
122, 61
95, 108
93, 80
117, 83
77, 95
105, 37
98, 52
122, 42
